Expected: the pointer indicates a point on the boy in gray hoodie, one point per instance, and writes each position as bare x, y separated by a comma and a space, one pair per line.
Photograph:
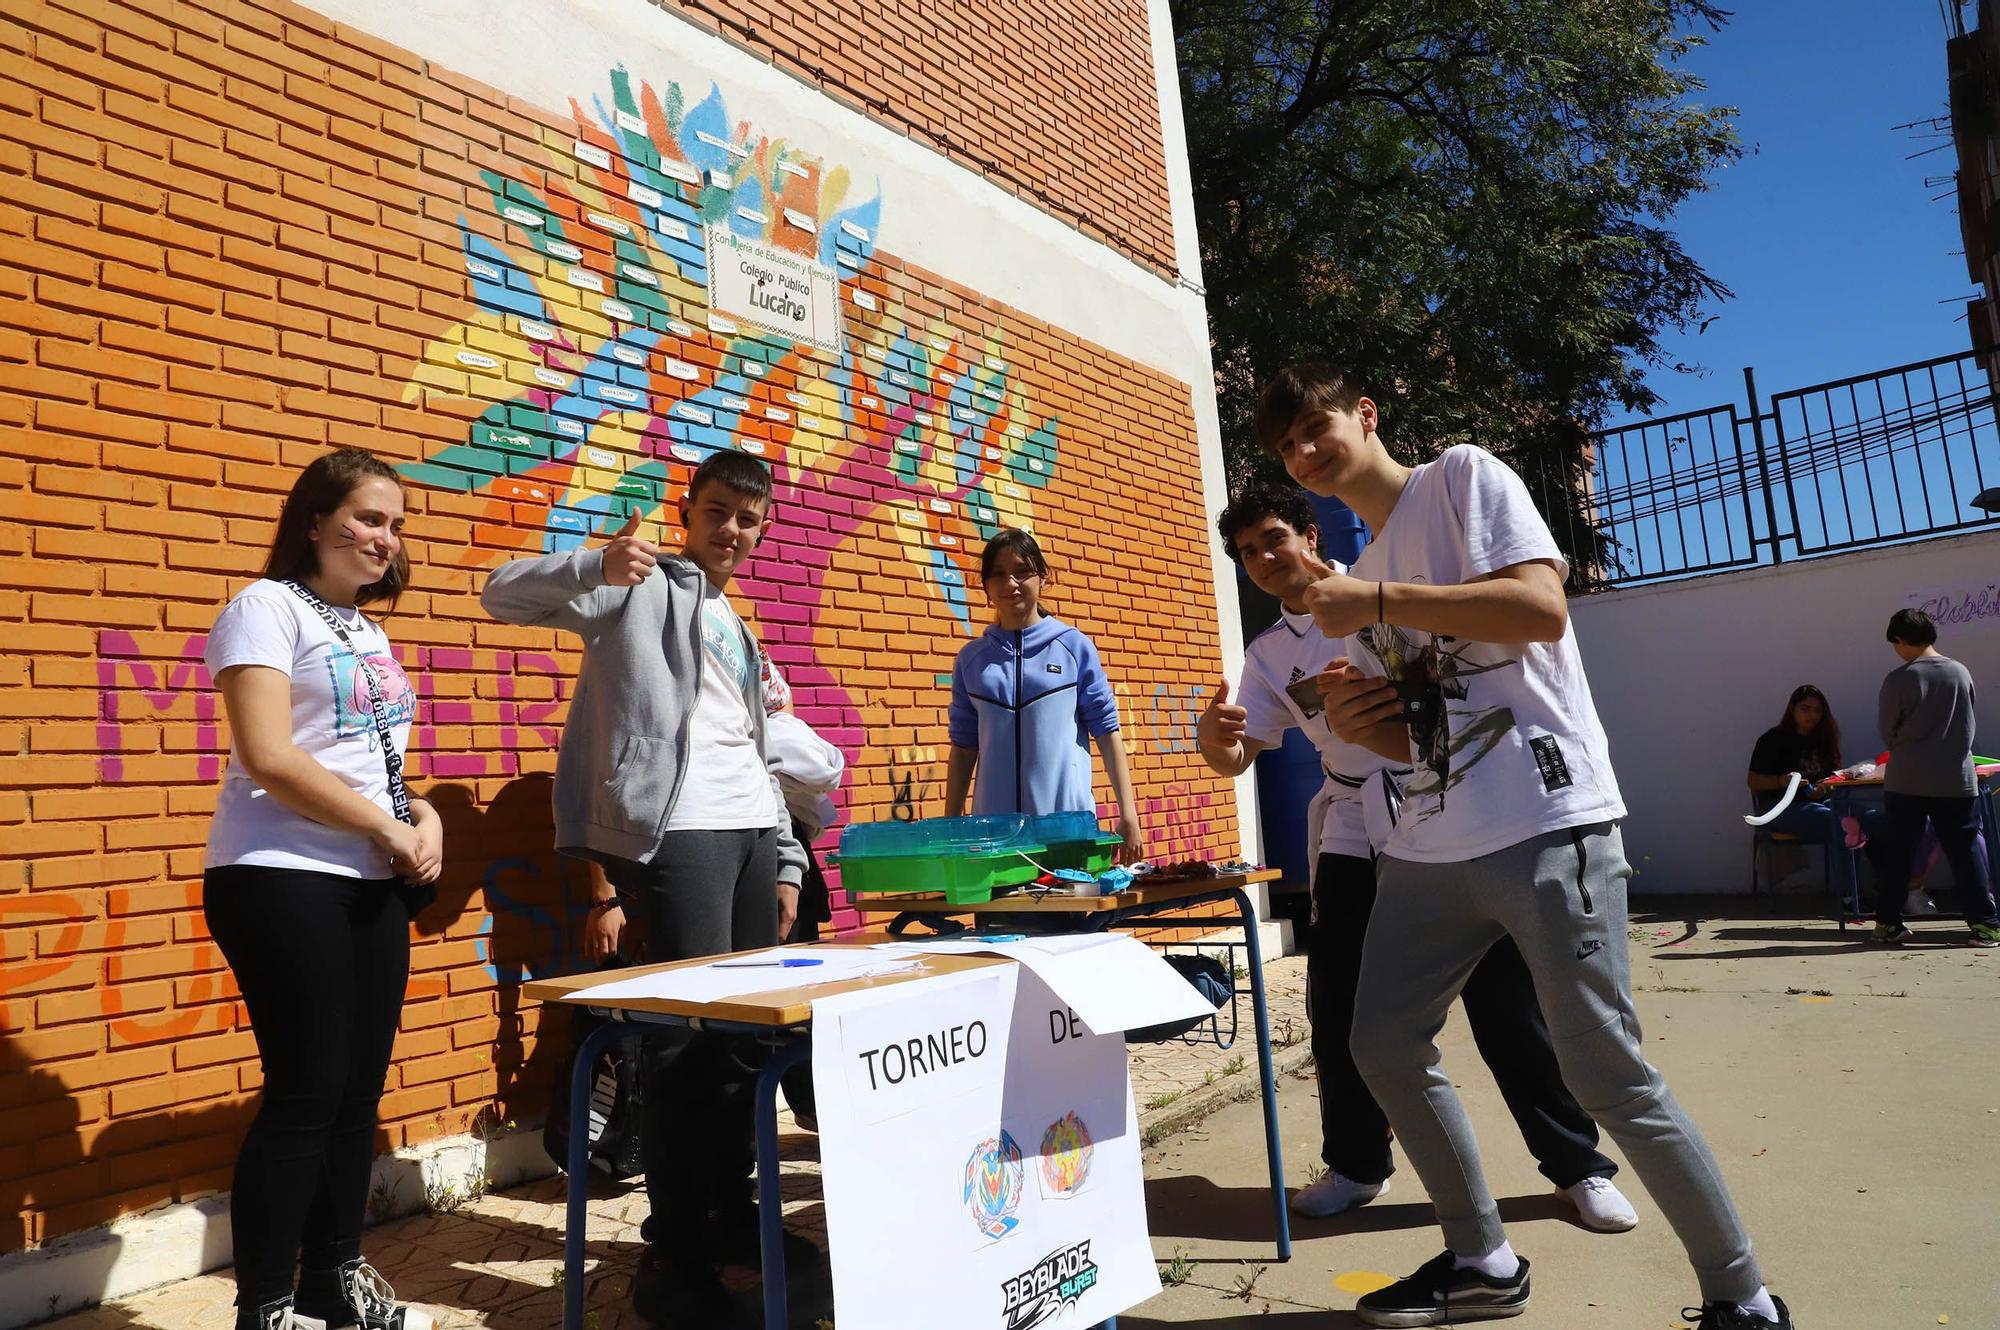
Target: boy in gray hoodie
663, 778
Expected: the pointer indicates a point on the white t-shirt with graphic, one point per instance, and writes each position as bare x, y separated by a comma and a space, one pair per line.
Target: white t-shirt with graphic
333, 722
726, 787
1506, 742
1280, 689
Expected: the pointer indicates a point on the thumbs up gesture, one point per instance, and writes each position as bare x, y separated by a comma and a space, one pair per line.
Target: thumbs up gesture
1340, 604
1220, 728
629, 559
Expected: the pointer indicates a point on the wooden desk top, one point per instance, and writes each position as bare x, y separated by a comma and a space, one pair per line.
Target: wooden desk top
1152, 893
778, 1008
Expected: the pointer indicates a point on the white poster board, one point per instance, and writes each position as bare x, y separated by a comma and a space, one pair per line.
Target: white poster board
775, 289
980, 1155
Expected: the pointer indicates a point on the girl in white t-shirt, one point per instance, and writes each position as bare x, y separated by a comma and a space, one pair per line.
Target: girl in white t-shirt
314, 854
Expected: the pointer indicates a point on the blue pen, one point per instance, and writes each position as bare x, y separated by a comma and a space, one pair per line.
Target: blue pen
784, 963
999, 937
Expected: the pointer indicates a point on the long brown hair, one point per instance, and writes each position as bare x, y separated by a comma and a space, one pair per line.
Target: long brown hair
1826, 736
320, 489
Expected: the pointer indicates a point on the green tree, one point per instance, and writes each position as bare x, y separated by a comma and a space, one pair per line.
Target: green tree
1464, 202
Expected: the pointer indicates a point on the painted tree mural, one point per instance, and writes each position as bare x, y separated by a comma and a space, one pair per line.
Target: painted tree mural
608, 376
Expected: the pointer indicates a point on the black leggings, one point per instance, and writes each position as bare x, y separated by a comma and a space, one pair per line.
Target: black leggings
323, 961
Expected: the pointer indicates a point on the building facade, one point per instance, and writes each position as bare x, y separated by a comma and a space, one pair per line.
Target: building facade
935, 265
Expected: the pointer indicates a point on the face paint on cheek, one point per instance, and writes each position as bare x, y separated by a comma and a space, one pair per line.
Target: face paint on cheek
348, 538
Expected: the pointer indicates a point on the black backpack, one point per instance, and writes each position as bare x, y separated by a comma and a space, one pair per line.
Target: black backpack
617, 1102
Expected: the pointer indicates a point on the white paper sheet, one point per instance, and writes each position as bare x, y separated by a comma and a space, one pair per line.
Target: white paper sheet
1113, 981
720, 981
987, 1177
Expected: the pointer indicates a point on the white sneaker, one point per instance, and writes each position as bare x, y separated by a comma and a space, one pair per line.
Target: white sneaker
1601, 1206
278, 1315
1333, 1194
1920, 905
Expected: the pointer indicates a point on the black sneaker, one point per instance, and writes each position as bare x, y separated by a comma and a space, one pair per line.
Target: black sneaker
356, 1295
1731, 1316
686, 1295
1440, 1293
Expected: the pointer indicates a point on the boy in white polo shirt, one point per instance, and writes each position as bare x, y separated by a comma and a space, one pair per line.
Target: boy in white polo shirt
1461, 660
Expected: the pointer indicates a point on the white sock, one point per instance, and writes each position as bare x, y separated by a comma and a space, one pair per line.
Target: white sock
1761, 1305
1501, 1263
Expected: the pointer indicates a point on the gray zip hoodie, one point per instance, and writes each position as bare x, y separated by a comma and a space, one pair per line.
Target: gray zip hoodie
625, 745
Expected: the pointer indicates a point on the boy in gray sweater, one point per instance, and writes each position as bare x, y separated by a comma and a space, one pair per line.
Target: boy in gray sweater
664, 779
1925, 714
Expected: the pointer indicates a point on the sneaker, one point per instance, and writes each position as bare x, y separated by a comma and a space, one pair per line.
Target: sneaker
685, 1293
1919, 905
1601, 1206
362, 1298
1890, 935
1986, 935
1440, 1293
277, 1314
1731, 1316
1334, 1193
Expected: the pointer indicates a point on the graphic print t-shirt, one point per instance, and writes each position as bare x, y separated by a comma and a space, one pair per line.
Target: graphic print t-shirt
1280, 689
333, 722
1780, 751
1505, 739
727, 786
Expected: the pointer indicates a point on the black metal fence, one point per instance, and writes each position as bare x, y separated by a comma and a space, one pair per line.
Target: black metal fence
1896, 455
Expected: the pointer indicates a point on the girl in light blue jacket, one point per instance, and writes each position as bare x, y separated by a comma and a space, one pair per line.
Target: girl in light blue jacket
1027, 698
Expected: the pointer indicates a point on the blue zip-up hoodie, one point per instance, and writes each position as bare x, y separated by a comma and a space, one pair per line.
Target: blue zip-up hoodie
1030, 701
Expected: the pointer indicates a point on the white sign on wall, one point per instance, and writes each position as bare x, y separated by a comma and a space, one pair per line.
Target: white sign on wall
980, 1156
775, 289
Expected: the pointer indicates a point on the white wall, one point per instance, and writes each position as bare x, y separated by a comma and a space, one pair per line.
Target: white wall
1686, 676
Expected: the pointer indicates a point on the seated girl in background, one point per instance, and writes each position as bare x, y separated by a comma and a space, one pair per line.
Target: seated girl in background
1026, 700
1807, 741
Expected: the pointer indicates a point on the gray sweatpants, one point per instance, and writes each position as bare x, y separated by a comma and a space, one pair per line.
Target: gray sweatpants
1561, 897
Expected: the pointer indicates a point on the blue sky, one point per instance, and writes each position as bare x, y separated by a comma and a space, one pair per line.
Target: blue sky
1826, 234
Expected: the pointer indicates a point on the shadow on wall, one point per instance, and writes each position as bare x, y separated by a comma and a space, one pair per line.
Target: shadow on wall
56, 1167
524, 908
505, 890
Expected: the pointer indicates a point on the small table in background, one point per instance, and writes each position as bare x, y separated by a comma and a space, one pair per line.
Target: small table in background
1987, 777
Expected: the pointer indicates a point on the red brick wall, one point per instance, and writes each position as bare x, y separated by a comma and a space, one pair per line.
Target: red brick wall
232, 235
1050, 99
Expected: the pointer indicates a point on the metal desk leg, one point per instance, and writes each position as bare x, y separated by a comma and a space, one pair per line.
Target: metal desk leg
1257, 1004
579, 1171
770, 1198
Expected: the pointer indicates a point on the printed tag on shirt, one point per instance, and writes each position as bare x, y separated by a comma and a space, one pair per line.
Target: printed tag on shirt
1549, 761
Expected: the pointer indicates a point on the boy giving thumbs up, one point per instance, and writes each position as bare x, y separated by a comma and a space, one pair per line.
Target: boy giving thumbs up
663, 780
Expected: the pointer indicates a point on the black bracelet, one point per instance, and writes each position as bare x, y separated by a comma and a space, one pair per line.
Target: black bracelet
1381, 615
608, 903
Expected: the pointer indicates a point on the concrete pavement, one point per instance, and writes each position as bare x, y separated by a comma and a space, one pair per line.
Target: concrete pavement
1852, 1096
